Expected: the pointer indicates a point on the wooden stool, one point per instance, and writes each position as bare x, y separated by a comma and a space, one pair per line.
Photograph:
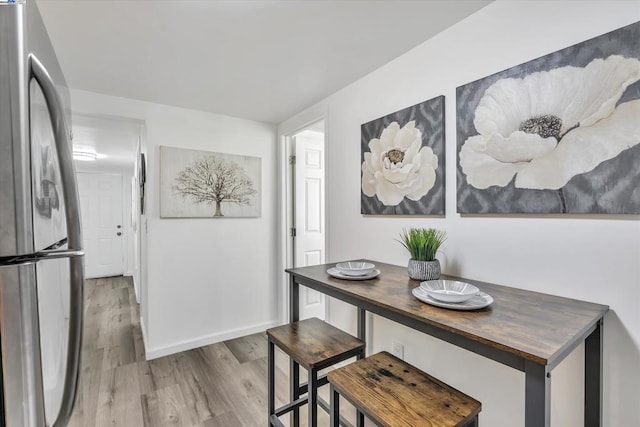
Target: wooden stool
393, 393
314, 345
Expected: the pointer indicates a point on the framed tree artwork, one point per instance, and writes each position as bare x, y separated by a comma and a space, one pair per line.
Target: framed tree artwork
203, 184
142, 178
402, 161
559, 134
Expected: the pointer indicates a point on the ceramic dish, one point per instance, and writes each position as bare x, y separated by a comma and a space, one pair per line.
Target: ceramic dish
481, 300
340, 275
355, 268
449, 290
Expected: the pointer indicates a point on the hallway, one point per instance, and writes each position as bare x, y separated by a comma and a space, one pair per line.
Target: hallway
223, 384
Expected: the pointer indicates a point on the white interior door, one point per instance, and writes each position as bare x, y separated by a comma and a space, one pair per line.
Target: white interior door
309, 241
101, 199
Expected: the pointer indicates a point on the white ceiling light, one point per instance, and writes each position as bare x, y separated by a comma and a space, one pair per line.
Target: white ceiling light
85, 156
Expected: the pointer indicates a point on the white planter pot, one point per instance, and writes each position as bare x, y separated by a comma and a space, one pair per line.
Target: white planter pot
424, 270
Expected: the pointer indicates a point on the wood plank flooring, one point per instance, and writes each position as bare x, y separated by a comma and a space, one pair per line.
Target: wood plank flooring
220, 385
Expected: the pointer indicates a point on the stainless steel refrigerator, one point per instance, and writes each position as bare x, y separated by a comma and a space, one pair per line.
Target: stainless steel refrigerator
41, 262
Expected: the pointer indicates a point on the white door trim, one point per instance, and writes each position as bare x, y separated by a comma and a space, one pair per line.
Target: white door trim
285, 220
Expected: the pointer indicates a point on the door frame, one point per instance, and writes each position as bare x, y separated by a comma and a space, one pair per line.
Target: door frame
285, 209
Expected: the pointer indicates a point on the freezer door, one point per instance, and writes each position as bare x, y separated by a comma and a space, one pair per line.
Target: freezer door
49, 225
15, 163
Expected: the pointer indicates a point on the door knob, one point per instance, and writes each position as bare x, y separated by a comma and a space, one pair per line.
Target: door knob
119, 233
118, 226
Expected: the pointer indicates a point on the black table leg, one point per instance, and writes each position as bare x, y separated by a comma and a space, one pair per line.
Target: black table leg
362, 326
294, 299
271, 379
593, 378
362, 334
537, 405
294, 370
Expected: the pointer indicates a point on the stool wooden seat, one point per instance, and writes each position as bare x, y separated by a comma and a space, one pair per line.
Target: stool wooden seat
393, 393
314, 345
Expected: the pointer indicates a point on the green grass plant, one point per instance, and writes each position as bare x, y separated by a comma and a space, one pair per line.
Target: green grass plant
422, 243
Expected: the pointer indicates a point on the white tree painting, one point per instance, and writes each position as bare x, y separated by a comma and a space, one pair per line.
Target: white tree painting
205, 184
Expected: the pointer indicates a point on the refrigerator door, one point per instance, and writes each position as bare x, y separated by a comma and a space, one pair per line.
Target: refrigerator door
52, 276
23, 401
67, 377
52, 279
41, 280
49, 219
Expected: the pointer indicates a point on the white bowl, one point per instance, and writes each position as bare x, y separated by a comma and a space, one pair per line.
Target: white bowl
449, 290
355, 268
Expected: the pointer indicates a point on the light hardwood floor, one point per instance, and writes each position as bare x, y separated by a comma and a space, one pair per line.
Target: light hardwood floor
220, 385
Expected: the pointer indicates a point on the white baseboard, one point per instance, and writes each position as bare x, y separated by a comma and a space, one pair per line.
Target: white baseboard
135, 288
154, 353
144, 335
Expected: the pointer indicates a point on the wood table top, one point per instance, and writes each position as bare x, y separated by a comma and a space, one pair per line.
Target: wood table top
534, 326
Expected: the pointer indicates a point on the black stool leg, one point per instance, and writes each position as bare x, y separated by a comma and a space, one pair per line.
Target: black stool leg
312, 397
271, 380
294, 375
360, 415
335, 406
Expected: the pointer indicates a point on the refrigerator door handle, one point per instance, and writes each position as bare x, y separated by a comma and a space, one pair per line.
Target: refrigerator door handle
74, 230
38, 256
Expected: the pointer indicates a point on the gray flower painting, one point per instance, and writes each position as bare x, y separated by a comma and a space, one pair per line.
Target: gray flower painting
559, 134
403, 161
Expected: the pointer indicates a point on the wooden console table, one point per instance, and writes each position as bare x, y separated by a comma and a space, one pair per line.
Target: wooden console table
528, 331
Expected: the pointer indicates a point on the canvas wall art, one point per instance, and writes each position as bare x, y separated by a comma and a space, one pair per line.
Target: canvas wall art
403, 162
558, 134
204, 184
142, 178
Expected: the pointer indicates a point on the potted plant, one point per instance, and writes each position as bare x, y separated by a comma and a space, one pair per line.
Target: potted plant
422, 244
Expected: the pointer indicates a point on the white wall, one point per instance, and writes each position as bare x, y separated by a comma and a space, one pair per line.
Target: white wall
594, 258
127, 225
206, 279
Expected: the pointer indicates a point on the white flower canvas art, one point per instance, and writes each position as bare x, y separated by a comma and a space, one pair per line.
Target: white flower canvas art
559, 134
402, 161
204, 184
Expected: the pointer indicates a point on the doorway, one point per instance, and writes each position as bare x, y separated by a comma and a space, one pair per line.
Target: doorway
101, 202
306, 195
114, 144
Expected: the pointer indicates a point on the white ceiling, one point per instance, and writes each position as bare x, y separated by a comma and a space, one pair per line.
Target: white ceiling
260, 60
114, 139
